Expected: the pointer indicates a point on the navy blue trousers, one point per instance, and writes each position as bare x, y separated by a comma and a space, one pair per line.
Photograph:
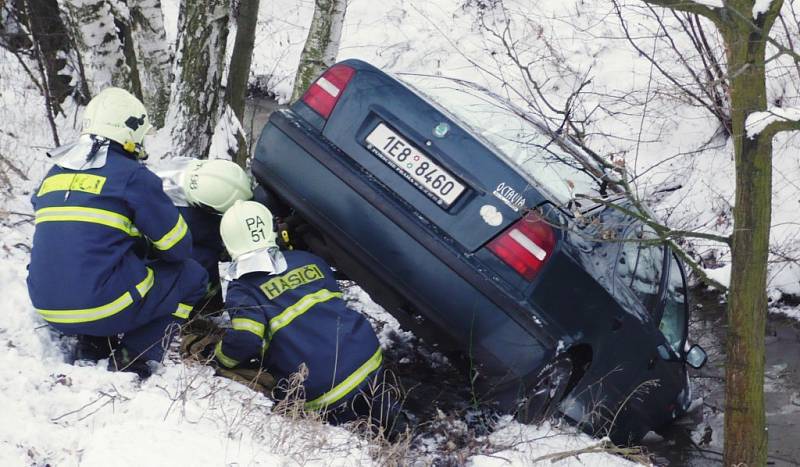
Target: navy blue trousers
146, 323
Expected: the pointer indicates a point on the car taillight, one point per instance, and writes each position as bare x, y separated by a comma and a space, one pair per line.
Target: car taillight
324, 93
526, 245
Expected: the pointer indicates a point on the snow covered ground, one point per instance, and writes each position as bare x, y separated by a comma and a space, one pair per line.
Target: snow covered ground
59, 414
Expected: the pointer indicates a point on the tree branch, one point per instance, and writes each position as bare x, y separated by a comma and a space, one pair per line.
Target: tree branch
664, 232
669, 235
719, 113
689, 6
767, 124
782, 125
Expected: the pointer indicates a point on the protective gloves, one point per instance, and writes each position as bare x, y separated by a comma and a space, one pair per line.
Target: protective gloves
199, 345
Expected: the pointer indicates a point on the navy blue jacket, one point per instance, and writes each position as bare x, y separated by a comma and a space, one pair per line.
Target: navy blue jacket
207, 246
298, 317
84, 264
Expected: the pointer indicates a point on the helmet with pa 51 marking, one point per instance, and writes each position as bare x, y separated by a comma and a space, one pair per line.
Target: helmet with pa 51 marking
245, 227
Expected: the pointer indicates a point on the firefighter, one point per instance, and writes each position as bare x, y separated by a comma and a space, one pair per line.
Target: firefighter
287, 311
97, 205
203, 190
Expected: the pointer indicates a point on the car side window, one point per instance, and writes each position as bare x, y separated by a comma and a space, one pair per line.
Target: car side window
673, 321
640, 263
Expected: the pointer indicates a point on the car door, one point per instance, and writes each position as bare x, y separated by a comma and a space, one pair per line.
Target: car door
647, 269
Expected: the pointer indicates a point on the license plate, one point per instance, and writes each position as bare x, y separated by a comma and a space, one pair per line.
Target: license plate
425, 174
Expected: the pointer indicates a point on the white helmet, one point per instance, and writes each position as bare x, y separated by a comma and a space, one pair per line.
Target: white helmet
119, 116
246, 227
215, 183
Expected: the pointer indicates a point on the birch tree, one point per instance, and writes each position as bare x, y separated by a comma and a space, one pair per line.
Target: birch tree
198, 67
322, 44
745, 26
153, 56
101, 32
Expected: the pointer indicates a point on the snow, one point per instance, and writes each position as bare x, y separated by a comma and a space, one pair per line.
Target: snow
533, 445
760, 7
757, 121
721, 275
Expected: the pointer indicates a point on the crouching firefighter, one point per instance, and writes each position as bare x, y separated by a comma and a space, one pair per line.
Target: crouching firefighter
94, 210
286, 312
203, 190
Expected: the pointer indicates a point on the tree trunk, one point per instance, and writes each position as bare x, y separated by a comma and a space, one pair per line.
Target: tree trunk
198, 67
745, 432
154, 57
51, 44
745, 40
239, 70
322, 44
94, 27
122, 20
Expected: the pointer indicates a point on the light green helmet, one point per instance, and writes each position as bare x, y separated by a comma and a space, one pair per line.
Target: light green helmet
246, 227
119, 116
216, 183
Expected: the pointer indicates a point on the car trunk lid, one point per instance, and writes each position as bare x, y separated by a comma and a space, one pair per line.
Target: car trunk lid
421, 157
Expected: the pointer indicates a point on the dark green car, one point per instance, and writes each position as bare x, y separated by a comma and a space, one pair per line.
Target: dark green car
466, 229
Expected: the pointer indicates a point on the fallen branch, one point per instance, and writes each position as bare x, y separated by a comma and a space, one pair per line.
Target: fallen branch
604, 446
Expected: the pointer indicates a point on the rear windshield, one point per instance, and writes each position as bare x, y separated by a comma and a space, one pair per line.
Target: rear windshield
511, 136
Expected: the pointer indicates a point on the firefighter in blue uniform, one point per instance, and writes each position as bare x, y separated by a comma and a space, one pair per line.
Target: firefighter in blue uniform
96, 207
203, 190
286, 311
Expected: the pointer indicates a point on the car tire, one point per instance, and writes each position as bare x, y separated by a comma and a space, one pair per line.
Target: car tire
549, 389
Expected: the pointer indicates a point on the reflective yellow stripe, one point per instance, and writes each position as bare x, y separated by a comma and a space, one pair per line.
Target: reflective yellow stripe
351, 382
72, 182
244, 324
173, 236
224, 359
103, 311
147, 283
88, 314
302, 305
183, 311
82, 214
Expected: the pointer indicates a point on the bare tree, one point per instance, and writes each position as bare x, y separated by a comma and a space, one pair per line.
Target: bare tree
322, 44
745, 28
198, 68
239, 70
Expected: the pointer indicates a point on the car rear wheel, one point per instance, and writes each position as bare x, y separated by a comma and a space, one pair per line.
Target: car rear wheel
550, 387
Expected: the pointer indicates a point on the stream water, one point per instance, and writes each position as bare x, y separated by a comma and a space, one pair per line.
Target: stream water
696, 440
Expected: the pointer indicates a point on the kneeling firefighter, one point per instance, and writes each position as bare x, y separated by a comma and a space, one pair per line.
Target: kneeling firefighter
94, 209
287, 312
203, 190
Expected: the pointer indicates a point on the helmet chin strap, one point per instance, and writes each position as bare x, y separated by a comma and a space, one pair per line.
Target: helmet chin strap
136, 149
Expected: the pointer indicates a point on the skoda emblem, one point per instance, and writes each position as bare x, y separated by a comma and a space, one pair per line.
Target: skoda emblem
440, 131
